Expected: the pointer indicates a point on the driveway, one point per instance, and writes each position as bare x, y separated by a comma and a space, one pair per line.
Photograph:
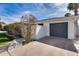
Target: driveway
63, 43
47, 46
38, 49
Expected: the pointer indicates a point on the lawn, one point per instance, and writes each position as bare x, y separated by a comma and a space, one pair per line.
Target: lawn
5, 39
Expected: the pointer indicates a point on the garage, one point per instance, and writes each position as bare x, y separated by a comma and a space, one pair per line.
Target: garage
59, 29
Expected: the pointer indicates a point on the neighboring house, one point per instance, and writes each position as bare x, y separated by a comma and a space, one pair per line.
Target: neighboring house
64, 27
3, 24
4, 32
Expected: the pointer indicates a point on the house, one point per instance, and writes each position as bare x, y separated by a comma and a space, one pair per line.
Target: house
4, 32
2, 24
64, 27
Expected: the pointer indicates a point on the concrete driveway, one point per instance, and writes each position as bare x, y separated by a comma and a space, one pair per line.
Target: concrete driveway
47, 46
38, 49
63, 43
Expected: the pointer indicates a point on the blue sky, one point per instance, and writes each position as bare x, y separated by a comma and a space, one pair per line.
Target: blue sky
12, 12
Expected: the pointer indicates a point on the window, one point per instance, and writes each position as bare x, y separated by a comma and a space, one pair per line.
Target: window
41, 24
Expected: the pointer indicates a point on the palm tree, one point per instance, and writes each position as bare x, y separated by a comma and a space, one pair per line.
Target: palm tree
73, 7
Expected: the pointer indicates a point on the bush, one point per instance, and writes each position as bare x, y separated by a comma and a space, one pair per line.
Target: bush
3, 35
13, 29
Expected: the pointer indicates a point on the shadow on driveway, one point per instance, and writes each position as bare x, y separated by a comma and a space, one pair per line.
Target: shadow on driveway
63, 43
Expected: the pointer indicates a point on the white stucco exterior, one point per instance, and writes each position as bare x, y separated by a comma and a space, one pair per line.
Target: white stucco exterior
71, 29
40, 31
45, 29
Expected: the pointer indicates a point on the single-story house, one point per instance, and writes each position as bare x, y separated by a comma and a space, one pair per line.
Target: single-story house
64, 27
2, 24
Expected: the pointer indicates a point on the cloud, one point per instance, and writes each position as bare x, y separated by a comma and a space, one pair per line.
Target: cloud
52, 9
13, 12
60, 12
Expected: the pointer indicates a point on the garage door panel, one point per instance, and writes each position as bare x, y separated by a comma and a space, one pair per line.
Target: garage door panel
59, 29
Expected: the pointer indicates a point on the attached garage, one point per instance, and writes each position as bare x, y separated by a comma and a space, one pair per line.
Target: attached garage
64, 27
59, 29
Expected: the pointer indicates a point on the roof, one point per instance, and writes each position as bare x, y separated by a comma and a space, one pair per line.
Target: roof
2, 22
58, 18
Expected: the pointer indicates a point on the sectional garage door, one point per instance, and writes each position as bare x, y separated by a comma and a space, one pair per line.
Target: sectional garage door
59, 29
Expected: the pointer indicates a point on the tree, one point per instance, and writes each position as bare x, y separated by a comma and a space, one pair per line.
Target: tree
13, 29
67, 14
73, 7
28, 27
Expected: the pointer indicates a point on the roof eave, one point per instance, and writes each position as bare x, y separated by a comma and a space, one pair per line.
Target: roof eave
57, 19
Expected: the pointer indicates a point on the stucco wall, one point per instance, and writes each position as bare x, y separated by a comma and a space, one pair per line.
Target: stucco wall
40, 31
47, 28
71, 30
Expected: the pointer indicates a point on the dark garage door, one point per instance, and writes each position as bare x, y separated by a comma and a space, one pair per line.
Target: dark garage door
59, 29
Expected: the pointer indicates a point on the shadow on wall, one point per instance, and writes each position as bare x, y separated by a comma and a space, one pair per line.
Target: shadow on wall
40, 31
77, 31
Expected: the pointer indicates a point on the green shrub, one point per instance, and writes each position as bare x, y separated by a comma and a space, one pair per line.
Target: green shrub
10, 37
3, 35
4, 39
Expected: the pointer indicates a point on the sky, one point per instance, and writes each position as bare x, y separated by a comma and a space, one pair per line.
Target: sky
12, 12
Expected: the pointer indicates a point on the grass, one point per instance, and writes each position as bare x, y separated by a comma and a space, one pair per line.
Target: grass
4, 43
4, 39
